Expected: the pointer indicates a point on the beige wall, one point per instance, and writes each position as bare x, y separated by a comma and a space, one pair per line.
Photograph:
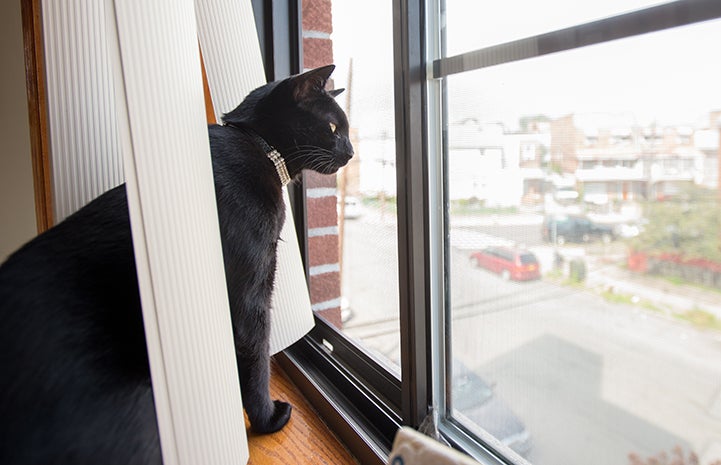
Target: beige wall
17, 204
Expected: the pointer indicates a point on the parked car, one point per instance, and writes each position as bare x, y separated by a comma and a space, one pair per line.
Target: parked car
627, 230
353, 208
516, 264
477, 401
566, 194
574, 228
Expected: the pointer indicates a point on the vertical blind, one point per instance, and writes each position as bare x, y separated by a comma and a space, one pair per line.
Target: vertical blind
82, 122
171, 197
125, 100
86, 158
231, 52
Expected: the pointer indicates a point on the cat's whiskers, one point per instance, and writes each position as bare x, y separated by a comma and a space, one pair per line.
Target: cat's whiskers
321, 158
316, 158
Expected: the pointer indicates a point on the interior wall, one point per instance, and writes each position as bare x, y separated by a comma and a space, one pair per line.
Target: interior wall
17, 202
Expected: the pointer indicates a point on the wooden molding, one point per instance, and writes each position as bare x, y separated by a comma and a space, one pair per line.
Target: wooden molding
37, 112
209, 112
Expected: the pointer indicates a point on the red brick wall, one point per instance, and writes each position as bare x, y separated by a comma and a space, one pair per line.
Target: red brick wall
323, 250
317, 27
317, 16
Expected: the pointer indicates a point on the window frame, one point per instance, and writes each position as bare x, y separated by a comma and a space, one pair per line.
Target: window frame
623, 25
363, 402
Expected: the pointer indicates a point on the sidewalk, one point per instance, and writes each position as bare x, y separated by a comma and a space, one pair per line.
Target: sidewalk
510, 219
658, 291
676, 298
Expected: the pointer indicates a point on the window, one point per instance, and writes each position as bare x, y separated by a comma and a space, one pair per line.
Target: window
351, 232
608, 348
602, 358
365, 273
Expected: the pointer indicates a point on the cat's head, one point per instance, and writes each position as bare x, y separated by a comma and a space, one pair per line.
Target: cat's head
300, 119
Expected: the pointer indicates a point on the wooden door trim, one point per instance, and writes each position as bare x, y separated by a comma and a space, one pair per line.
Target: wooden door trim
37, 112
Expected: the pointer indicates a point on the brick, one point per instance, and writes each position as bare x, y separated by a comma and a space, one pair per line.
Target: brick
312, 179
322, 212
324, 287
323, 250
317, 16
317, 52
332, 316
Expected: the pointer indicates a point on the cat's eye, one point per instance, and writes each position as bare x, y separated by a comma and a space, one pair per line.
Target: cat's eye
332, 127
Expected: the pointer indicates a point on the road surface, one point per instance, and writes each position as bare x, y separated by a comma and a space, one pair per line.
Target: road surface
593, 381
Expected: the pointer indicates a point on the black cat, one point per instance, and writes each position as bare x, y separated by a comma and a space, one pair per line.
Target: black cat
74, 379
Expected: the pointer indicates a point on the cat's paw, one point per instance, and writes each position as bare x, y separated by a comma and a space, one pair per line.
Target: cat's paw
281, 415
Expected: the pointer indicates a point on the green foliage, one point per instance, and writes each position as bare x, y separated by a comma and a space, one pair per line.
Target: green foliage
380, 202
525, 121
555, 167
609, 295
478, 207
688, 224
701, 319
679, 281
577, 270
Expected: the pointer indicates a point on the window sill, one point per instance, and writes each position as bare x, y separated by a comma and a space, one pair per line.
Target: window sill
304, 440
366, 438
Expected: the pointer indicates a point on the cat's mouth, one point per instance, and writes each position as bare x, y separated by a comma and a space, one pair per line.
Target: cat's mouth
320, 161
338, 163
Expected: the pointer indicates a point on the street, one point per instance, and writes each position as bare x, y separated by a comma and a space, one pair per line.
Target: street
593, 381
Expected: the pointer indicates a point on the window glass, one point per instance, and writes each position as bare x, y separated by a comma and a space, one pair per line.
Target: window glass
356, 38
528, 258
609, 352
470, 26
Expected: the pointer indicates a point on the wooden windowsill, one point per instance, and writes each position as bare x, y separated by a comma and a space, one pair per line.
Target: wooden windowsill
304, 440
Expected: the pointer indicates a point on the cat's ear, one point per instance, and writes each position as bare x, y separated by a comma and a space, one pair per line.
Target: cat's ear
335, 92
311, 83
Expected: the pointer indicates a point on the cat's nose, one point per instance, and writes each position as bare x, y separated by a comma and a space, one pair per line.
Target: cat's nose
348, 150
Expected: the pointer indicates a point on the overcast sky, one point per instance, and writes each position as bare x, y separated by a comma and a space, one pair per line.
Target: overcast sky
671, 77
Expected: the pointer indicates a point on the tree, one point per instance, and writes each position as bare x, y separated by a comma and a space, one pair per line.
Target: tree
688, 224
525, 122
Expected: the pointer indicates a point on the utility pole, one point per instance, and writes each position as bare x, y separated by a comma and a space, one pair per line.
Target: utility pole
718, 158
343, 178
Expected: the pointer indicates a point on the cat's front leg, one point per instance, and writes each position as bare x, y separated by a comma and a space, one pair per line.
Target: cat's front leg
265, 414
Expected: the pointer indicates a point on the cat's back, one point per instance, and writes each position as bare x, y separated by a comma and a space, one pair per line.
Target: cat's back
68, 266
72, 343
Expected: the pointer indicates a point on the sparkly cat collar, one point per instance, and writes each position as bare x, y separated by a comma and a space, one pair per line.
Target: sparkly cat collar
272, 154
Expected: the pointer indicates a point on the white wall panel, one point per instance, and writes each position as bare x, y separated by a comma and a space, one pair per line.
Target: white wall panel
82, 119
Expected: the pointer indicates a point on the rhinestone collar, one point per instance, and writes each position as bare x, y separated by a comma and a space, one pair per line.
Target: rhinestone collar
273, 155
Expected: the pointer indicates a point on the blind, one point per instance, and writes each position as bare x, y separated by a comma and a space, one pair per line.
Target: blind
125, 100
233, 63
171, 196
125, 95
82, 123
86, 158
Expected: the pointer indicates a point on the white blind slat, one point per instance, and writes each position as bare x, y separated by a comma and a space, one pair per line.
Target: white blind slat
176, 234
233, 63
81, 106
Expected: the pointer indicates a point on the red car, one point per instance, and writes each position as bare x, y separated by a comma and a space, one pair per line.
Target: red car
516, 264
